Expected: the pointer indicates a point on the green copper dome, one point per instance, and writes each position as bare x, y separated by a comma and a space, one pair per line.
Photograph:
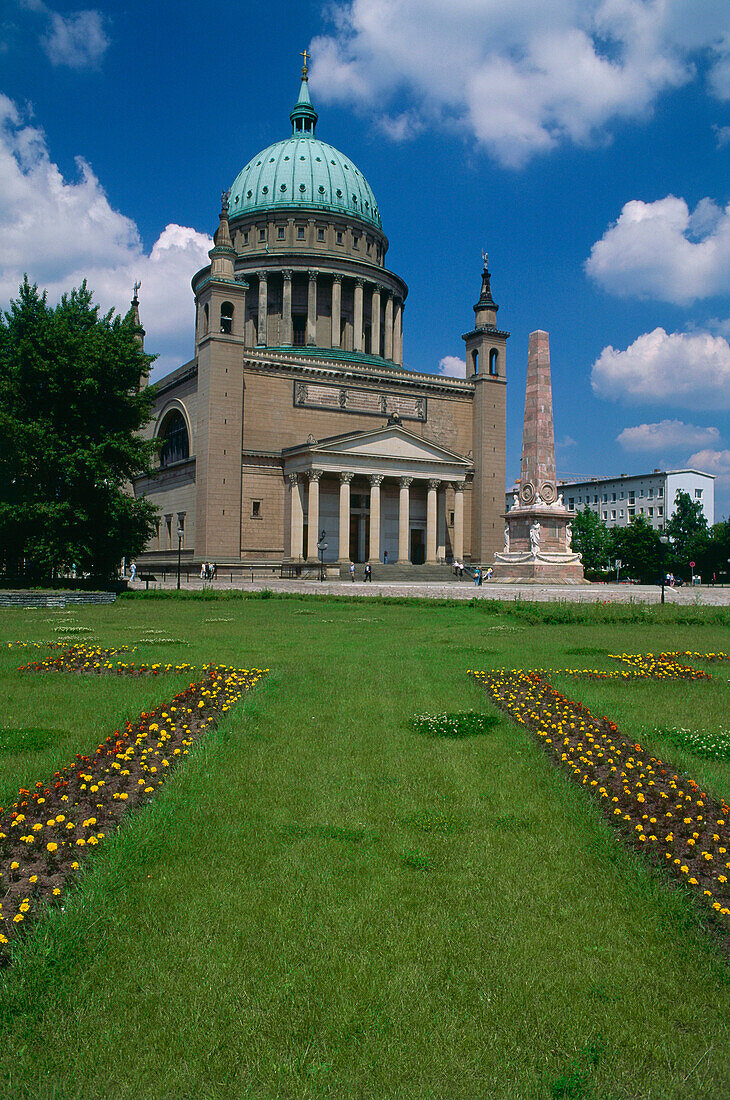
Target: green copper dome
303, 172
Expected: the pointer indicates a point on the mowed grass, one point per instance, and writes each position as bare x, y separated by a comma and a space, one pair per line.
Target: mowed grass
324, 902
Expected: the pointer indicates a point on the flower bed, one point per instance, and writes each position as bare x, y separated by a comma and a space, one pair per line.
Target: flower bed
46, 833
662, 813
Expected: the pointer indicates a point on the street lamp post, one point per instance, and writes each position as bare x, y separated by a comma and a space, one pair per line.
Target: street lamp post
321, 547
179, 554
664, 540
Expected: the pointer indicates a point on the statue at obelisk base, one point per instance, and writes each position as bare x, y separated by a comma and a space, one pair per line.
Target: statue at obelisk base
538, 525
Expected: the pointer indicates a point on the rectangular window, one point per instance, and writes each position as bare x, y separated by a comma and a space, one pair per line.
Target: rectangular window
613, 496
660, 511
605, 498
621, 513
320, 234
641, 492
650, 492
641, 511
698, 494
300, 232
651, 511
262, 234
280, 233
595, 499
451, 519
660, 492
339, 236
355, 241
255, 509
571, 502
632, 513
245, 237
605, 515
613, 513
621, 496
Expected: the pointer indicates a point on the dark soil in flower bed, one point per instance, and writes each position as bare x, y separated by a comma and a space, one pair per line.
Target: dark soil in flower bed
47, 832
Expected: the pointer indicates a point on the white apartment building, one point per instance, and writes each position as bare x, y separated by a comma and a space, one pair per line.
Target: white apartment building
618, 499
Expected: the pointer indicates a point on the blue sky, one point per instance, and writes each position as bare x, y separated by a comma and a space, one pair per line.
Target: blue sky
585, 144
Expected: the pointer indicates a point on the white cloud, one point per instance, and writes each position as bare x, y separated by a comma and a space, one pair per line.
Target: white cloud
661, 250
666, 434
711, 462
78, 39
61, 231
566, 441
722, 133
687, 369
521, 77
452, 367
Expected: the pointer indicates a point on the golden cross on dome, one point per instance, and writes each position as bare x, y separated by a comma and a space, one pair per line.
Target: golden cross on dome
306, 57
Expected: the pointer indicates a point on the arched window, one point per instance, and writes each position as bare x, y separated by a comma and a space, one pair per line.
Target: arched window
227, 318
475, 361
206, 318
174, 433
494, 361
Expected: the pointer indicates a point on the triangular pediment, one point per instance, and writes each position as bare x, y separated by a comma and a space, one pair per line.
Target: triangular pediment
390, 442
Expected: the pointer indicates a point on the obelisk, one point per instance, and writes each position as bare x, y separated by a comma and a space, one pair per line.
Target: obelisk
538, 526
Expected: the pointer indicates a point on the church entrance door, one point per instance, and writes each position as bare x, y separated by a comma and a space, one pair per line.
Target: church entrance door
359, 536
418, 546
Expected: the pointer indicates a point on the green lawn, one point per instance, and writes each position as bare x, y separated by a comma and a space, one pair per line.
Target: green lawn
323, 902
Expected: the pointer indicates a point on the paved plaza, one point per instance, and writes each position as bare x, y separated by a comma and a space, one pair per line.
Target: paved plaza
708, 596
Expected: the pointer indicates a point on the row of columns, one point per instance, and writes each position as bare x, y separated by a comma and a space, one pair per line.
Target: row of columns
393, 320
404, 507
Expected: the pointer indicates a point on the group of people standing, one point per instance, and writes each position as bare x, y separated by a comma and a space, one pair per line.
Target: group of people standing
208, 571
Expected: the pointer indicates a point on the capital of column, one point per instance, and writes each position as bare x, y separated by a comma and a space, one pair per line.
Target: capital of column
376, 479
292, 479
405, 482
262, 276
287, 273
312, 275
346, 476
434, 483
458, 486
314, 475
337, 277
360, 283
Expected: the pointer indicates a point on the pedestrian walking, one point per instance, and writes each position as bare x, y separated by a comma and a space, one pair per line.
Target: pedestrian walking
133, 571
352, 571
213, 571
385, 557
477, 577
368, 572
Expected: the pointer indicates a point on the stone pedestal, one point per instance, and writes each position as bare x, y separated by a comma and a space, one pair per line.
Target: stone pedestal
537, 547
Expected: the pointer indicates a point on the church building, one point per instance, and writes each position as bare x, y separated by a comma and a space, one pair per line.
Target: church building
296, 415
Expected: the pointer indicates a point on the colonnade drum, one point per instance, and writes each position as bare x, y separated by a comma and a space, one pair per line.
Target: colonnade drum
374, 518
310, 308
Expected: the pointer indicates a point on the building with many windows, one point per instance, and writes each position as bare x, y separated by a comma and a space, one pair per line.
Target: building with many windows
618, 500
296, 415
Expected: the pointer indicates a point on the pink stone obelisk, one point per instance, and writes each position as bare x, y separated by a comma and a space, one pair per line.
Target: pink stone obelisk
537, 476
538, 526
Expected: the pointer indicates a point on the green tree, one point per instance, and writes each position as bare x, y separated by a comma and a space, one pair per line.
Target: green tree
71, 410
640, 550
687, 528
592, 540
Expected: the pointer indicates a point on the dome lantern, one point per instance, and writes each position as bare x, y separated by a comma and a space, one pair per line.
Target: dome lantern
303, 115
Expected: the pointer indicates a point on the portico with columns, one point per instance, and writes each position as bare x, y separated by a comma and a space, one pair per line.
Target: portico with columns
374, 493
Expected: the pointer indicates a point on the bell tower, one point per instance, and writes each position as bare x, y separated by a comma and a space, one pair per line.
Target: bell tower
219, 339
486, 349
